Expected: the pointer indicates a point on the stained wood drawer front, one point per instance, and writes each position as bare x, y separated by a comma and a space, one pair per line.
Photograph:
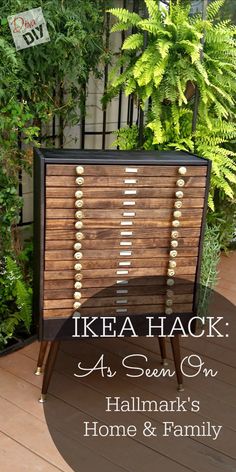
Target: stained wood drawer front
158, 182
64, 279
120, 244
125, 299
119, 253
124, 171
63, 270
111, 311
132, 214
67, 223
126, 204
65, 289
116, 255
116, 235
108, 193
121, 264
109, 246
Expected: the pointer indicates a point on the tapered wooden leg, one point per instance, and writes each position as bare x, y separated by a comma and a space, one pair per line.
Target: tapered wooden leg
177, 360
162, 344
42, 352
52, 355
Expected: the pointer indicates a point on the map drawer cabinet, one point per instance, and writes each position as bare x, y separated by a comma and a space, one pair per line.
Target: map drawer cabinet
115, 234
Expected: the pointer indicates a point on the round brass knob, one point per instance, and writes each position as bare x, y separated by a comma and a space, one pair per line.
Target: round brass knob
178, 204
79, 203
78, 276
169, 293
77, 305
170, 282
170, 272
78, 194
79, 180
174, 234
182, 170
78, 285
177, 214
78, 266
172, 264
180, 183
79, 170
77, 295
79, 224
168, 311
176, 223
169, 302
173, 253
179, 194
77, 246
174, 243
79, 236
78, 255
79, 214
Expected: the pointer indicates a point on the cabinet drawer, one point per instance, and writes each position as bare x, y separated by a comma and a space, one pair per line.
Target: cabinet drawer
117, 302
119, 264
121, 192
64, 270
67, 223
123, 204
123, 254
60, 289
64, 278
132, 214
125, 182
122, 243
99, 235
110, 311
121, 170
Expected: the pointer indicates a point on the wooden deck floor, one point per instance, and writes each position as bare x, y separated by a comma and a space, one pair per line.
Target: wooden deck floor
25, 442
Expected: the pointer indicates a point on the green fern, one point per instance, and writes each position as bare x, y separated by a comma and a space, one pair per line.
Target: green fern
22, 293
134, 41
168, 72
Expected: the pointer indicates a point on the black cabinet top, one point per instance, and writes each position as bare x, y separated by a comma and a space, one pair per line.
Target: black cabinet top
73, 156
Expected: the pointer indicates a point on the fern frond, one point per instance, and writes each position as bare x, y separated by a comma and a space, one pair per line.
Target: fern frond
125, 16
24, 304
152, 7
213, 8
134, 41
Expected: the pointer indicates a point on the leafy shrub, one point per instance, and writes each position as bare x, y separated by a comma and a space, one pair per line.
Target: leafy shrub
210, 261
15, 301
164, 60
31, 89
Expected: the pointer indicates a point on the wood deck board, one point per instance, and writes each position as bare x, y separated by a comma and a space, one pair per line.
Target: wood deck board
25, 443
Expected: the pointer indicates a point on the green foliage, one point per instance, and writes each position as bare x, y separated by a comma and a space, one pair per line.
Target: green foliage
127, 138
210, 261
75, 48
10, 204
31, 81
224, 219
182, 52
15, 300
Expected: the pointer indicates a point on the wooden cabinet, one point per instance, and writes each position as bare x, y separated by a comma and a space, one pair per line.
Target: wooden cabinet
116, 233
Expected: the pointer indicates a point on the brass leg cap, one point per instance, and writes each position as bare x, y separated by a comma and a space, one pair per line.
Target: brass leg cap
38, 371
164, 362
42, 398
180, 388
